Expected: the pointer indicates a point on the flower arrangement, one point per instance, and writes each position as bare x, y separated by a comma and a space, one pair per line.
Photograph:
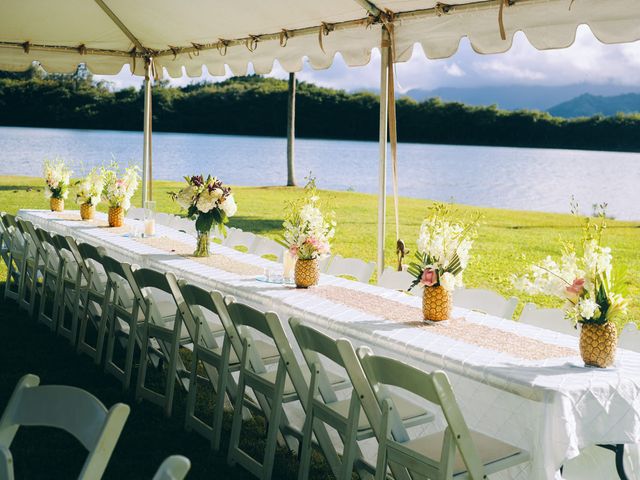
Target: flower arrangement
307, 234
210, 203
117, 190
56, 176
582, 276
443, 249
89, 189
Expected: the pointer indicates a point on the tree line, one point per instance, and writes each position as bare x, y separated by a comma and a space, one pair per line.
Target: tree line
255, 105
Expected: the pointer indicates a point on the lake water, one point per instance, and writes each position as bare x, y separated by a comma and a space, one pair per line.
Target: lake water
515, 178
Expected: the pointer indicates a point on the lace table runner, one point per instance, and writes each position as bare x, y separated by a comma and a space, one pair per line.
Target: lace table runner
457, 328
220, 262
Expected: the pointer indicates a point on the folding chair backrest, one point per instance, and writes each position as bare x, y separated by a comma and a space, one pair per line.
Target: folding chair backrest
313, 345
68, 408
395, 280
384, 372
30, 229
265, 247
351, 267
53, 255
485, 301
65, 253
239, 238
119, 275
246, 318
548, 318
191, 301
148, 282
630, 337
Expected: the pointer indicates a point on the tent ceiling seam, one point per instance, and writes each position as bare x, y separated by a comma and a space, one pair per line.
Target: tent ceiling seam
436, 11
114, 18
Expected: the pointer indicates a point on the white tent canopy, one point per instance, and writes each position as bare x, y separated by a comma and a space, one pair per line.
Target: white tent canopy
106, 34
153, 35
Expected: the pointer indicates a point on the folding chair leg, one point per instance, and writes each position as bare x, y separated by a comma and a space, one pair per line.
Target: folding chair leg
272, 435
236, 425
218, 409
305, 446
142, 372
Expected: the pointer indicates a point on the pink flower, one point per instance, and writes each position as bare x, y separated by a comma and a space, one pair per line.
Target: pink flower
576, 288
429, 277
293, 249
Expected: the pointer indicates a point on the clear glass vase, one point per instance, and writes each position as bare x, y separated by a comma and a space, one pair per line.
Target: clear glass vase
202, 247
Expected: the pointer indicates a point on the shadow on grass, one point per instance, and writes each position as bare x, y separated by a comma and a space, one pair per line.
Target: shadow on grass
256, 225
148, 437
16, 188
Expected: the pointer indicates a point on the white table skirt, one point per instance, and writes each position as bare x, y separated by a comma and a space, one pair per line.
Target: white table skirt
553, 408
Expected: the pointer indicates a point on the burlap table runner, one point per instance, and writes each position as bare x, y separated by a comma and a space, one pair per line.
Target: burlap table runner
220, 262
457, 328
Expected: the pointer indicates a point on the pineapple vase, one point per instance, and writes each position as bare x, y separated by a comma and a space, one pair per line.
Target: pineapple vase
436, 304
87, 211
56, 204
306, 272
598, 343
116, 216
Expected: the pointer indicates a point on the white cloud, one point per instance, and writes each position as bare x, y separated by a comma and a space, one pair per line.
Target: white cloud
454, 70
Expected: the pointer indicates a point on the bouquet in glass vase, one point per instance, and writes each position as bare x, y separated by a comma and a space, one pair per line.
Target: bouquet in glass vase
88, 192
56, 177
117, 191
307, 235
442, 255
584, 277
209, 202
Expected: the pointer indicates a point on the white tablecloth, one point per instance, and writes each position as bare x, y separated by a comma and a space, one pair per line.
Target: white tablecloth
552, 408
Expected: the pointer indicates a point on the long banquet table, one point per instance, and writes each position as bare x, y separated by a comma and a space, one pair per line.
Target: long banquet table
506, 385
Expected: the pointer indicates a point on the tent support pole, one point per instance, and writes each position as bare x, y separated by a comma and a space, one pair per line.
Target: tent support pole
382, 171
291, 129
147, 187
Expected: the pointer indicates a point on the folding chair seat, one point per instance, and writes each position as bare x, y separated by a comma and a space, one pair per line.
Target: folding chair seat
272, 388
343, 415
351, 267
50, 287
163, 326
485, 301
68, 408
549, 318
174, 467
456, 452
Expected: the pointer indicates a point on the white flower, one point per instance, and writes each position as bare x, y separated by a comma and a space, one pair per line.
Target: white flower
229, 206
185, 197
588, 309
448, 281
207, 201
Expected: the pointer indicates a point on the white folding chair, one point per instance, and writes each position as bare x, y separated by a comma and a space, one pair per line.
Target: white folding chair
265, 247
33, 266
71, 284
395, 280
174, 467
164, 219
485, 301
344, 415
630, 337
351, 267
162, 324
16, 257
68, 408
185, 225
135, 213
239, 238
548, 318
455, 452
50, 287
323, 263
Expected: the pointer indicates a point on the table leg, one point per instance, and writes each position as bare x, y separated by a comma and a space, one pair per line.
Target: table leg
619, 452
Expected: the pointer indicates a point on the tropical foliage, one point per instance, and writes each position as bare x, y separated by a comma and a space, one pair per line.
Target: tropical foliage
118, 188
56, 177
257, 106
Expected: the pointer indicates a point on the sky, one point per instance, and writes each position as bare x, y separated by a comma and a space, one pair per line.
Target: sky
586, 61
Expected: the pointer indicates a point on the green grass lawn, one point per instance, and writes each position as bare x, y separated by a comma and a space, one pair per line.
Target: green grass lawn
507, 243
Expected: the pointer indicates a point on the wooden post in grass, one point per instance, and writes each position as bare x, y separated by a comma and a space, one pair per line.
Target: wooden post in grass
291, 128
